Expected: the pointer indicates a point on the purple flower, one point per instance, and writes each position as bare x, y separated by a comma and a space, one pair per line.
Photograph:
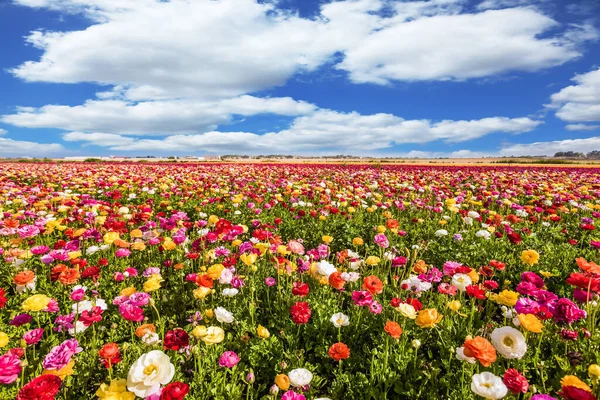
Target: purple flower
139, 299
542, 397
229, 359
64, 322
21, 319
526, 306
433, 275
457, 237
545, 297
566, 311
60, 355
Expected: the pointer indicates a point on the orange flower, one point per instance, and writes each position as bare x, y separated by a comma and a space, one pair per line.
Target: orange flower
428, 318
588, 266
392, 224
205, 281
393, 329
481, 349
339, 351
373, 284
24, 278
121, 243
141, 330
336, 281
69, 276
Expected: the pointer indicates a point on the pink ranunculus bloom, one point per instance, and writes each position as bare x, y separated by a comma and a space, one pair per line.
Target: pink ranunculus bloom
450, 267
564, 310
296, 247
39, 250
121, 253
291, 395
52, 306
61, 355
382, 241
28, 231
229, 359
10, 368
33, 336
78, 294
375, 307
139, 299
270, 281
131, 312
362, 298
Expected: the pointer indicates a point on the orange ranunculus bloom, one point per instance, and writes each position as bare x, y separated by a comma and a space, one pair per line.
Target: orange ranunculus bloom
24, 277
391, 224
373, 284
481, 349
141, 330
122, 243
11, 223
204, 280
393, 329
588, 266
69, 276
339, 351
282, 381
109, 351
428, 318
336, 281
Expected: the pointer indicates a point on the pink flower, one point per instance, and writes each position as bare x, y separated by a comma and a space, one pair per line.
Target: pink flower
60, 355
78, 294
229, 359
39, 250
382, 241
450, 267
566, 311
28, 231
52, 306
33, 336
291, 395
131, 312
270, 281
10, 368
362, 298
375, 307
296, 247
122, 253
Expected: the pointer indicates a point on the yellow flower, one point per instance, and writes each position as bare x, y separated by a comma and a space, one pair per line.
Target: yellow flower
199, 331
248, 259
262, 247
572, 380
454, 305
201, 292
530, 323
214, 335
282, 250
209, 313
110, 237
236, 243
351, 210
136, 233
215, 271
547, 274
428, 318
153, 283
322, 218
62, 373
358, 241
507, 298
442, 222
140, 246
372, 260
128, 291
474, 276
169, 244
116, 391
3, 339
327, 239
282, 381
594, 371
407, 310
262, 332
213, 219
381, 229
37, 302
530, 257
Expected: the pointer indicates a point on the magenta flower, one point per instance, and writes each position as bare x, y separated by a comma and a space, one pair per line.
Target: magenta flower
21, 319
375, 307
131, 312
450, 267
60, 355
291, 395
382, 241
10, 368
139, 299
33, 336
362, 298
229, 359
78, 294
566, 311
121, 253
270, 281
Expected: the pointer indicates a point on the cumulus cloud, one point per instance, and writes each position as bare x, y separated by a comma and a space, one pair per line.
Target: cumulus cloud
550, 148
579, 102
22, 148
581, 127
324, 131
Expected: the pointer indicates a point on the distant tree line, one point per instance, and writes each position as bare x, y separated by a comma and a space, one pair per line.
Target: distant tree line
595, 154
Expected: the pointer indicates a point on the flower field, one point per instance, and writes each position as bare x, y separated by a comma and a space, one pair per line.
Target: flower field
164, 282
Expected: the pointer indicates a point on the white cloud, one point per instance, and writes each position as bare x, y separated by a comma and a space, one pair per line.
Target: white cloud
579, 102
581, 127
153, 117
550, 148
22, 148
323, 131
3, 131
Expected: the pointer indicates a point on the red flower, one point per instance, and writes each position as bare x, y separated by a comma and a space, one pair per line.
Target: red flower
574, 393
91, 272
300, 312
2, 297
418, 306
339, 351
395, 302
174, 391
44, 387
110, 354
498, 265
515, 382
490, 285
176, 339
476, 291
300, 289
514, 237
89, 317
584, 281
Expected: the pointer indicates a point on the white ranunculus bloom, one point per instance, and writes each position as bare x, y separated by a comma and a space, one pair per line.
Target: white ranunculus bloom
509, 342
483, 234
339, 320
149, 372
441, 232
225, 277
223, 315
79, 327
150, 338
461, 281
324, 268
230, 292
86, 305
300, 377
91, 250
460, 355
488, 386
473, 214
407, 310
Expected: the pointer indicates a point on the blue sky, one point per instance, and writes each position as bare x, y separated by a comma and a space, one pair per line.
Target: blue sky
437, 78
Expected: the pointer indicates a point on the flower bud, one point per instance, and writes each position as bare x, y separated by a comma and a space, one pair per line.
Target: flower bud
416, 343
274, 390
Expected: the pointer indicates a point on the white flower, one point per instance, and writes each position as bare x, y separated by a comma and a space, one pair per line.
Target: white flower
460, 355
78, 328
468, 220
461, 281
150, 338
355, 264
509, 342
324, 268
350, 276
340, 319
488, 386
407, 310
225, 277
86, 305
441, 232
223, 315
300, 377
506, 312
414, 283
483, 234
123, 210
92, 250
230, 292
473, 214
149, 372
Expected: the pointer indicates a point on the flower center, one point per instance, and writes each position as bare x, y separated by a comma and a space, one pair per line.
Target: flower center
486, 385
150, 369
508, 342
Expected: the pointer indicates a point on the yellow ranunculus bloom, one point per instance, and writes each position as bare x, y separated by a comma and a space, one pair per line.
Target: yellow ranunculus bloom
248, 258
213, 219
428, 318
110, 237
327, 239
140, 246
381, 229
201, 292
169, 244
358, 241
262, 332
3, 339
116, 391
209, 313
62, 373
507, 298
594, 371
128, 291
530, 323
282, 250
214, 335
37, 302
215, 271
282, 381
153, 283
530, 257
236, 243
136, 233
199, 331
572, 380
454, 305
372, 260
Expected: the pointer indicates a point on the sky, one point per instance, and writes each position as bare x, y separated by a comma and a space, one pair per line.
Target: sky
383, 78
